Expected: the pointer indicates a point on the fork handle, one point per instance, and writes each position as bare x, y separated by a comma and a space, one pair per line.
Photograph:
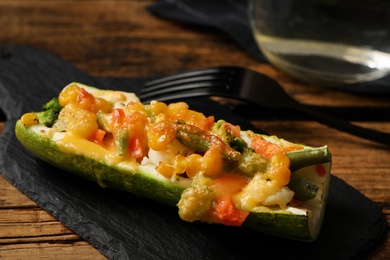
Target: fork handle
346, 126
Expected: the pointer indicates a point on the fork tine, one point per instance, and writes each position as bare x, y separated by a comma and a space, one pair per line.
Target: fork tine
185, 91
183, 83
183, 75
214, 81
177, 95
211, 74
191, 91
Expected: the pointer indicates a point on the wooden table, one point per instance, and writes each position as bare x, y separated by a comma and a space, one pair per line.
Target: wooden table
122, 39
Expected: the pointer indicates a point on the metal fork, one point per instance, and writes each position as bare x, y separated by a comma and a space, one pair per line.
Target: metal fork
248, 86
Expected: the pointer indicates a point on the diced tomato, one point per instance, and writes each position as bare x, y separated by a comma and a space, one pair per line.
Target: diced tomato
292, 148
108, 141
235, 129
209, 122
296, 203
135, 147
225, 212
118, 116
98, 136
85, 99
264, 147
268, 149
320, 169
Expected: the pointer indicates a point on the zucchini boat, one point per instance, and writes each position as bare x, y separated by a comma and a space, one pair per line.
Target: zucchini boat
213, 171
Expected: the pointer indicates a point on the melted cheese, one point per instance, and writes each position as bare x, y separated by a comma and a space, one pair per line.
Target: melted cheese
261, 192
118, 98
77, 145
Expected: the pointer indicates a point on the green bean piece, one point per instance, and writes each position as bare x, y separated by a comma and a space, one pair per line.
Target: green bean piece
201, 141
103, 120
238, 144
304, 189
121, 142
308, 157
149, 113
193, 140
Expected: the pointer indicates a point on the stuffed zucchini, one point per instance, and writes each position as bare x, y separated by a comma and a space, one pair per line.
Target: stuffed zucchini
212, 171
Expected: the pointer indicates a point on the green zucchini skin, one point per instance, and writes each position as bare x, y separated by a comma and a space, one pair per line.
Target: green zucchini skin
139, 184
280, 224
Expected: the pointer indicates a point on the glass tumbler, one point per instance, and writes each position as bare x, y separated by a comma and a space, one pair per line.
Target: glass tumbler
331, 42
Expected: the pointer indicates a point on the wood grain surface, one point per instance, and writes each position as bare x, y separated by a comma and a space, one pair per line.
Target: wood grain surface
122, 39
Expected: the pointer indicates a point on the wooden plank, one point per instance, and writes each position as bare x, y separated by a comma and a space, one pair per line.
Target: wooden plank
63, 238
33, 229
78, 250
25, 215
10, 197
28, 232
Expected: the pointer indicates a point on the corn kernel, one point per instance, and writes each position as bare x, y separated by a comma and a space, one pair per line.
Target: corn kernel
180, 163
158, 107
69, 95
176, 107
136, 107
280, 172
160, 135
212, 162
29, 119
102, 105
164, 170
194, 166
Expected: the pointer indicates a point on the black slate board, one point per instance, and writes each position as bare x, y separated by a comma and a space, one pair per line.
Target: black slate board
123, 226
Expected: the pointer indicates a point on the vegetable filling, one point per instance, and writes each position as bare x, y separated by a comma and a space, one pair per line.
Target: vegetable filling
231, 172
